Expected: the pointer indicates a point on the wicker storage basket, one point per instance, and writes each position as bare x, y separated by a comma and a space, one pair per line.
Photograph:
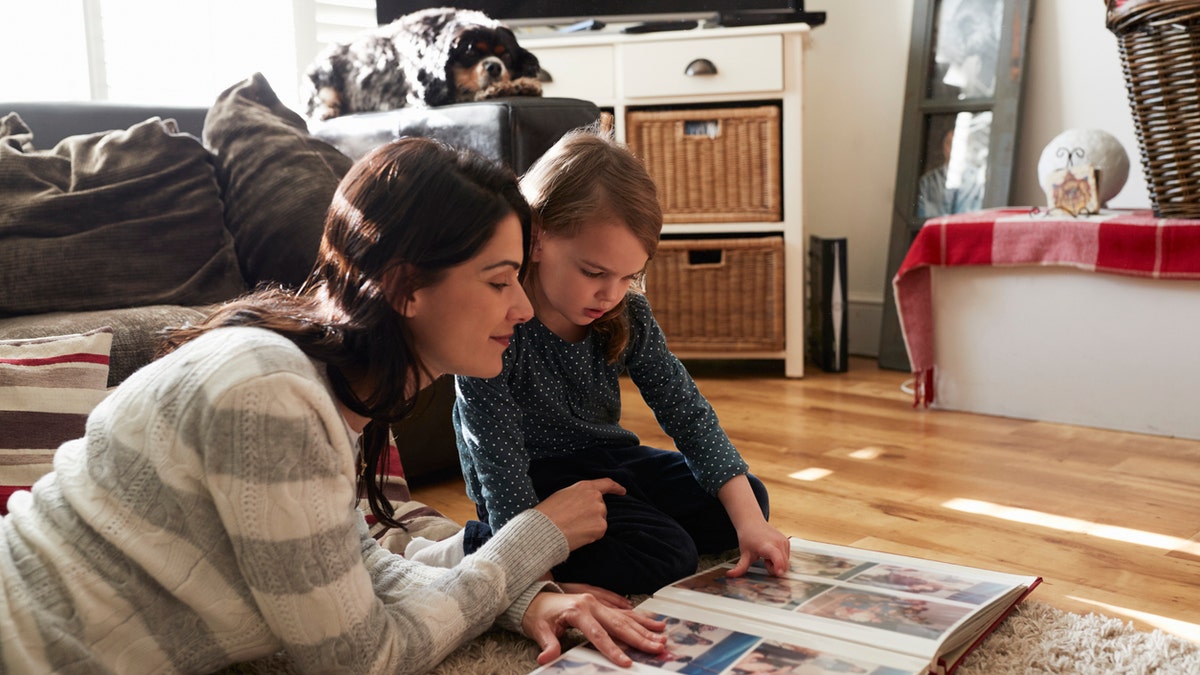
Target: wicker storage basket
718, 294
1159, 42
712, 165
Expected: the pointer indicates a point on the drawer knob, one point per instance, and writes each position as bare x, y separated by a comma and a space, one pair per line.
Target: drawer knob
700, 67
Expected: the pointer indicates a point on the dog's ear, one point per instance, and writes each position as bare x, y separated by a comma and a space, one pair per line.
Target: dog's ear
525, 64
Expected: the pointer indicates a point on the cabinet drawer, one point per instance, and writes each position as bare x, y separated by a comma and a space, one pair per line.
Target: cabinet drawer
743, 64
578, 72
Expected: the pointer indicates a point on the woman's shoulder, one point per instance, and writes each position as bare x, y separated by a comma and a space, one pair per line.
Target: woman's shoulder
245, 352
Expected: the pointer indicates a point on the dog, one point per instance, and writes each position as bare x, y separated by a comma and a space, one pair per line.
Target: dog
428, 58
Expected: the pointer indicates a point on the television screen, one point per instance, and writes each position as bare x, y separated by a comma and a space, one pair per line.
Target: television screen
561, 12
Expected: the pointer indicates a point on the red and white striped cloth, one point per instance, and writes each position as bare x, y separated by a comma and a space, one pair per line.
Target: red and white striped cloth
1133, 243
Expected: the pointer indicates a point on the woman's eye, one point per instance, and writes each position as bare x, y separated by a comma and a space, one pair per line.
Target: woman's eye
592, 275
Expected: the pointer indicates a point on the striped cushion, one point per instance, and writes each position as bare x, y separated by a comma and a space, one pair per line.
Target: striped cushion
47, 388
418, 519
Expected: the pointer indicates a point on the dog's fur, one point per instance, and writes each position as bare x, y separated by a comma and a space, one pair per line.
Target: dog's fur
428, 58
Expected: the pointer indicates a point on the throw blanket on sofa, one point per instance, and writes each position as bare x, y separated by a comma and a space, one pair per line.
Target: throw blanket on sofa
1132, 243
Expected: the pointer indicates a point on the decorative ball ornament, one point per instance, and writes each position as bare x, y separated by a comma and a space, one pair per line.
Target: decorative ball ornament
1095, 147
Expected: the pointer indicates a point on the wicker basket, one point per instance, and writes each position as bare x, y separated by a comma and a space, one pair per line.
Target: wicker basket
718, 294
712, 165
1159, 42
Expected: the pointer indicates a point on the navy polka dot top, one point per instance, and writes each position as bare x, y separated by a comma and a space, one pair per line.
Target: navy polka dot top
558, 398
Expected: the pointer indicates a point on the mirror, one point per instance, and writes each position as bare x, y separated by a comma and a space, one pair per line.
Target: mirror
961, 116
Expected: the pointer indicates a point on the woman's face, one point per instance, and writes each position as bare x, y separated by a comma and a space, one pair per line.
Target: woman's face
580, 278
463, 323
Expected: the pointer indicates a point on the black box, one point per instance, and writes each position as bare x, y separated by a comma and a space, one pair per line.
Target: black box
828, 315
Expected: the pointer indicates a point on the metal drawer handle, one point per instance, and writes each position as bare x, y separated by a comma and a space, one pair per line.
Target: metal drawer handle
700, 67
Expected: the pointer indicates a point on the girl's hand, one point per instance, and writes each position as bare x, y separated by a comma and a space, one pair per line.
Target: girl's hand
579, 511
760, 540
551, 614
605, 596
756, 538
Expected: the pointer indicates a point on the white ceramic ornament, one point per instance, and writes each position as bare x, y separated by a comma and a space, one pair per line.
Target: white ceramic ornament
1087, 146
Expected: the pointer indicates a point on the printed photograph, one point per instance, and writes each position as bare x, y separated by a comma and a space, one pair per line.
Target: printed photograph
924, 582
696, 648
776, 658
758, 588
819, 565
908, 616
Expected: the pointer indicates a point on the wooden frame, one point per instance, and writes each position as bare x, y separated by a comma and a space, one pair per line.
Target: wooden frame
959, 132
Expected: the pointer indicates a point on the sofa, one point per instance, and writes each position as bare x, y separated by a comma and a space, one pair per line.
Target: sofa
119, 220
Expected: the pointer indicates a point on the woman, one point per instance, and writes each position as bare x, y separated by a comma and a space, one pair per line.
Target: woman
208, 516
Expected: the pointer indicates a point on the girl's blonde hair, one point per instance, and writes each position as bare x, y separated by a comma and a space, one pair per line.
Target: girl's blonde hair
584, 177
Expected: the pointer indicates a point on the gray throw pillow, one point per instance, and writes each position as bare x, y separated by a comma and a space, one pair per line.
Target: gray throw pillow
276, 180
112, 219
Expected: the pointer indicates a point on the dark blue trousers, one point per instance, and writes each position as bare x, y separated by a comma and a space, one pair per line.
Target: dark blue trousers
656, 530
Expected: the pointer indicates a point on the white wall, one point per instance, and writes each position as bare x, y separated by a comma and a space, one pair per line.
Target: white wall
854, 97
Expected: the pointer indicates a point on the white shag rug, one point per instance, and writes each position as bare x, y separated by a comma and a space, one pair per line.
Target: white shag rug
1038, 638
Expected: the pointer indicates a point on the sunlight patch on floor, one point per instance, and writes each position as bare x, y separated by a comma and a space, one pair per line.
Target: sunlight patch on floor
867, 453
1066, 524
1185, 630
810, 474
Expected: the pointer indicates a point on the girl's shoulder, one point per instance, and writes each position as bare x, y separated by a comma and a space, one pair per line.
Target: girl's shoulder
638, 306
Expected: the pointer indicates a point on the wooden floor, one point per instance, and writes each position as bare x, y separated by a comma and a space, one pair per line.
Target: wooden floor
1110, 520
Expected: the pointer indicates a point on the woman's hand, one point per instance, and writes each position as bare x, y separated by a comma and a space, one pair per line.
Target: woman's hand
605, 596
579, 511
551, 614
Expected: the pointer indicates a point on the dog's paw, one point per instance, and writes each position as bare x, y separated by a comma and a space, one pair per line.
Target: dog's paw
522, 86
327, 104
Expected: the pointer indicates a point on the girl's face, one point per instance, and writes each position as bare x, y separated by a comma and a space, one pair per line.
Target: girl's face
463, 323
580, 278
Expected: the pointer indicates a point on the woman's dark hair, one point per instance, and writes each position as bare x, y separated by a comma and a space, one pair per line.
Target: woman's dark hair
587, 175
402, 215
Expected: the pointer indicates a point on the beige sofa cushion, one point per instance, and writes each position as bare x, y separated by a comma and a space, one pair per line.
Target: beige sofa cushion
276, 180
112, 219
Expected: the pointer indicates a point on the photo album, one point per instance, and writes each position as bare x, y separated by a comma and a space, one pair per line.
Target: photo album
837, 610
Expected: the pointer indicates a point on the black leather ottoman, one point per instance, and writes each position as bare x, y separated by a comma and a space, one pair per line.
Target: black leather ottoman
513, 130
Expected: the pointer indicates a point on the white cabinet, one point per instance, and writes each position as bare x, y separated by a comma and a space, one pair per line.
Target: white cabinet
753, 65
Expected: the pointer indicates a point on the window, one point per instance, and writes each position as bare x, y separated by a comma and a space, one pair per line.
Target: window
176, 53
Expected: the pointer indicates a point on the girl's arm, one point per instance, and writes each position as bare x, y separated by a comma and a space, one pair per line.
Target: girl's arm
688, 417
491, 445
756, 538
682, 411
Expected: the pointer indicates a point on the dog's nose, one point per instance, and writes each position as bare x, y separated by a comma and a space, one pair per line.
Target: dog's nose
495, 69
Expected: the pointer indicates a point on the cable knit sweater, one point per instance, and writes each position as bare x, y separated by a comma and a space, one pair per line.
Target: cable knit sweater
208, 517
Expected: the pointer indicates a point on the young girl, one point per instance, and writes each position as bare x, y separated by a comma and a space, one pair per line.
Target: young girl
552, 417
209, 515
